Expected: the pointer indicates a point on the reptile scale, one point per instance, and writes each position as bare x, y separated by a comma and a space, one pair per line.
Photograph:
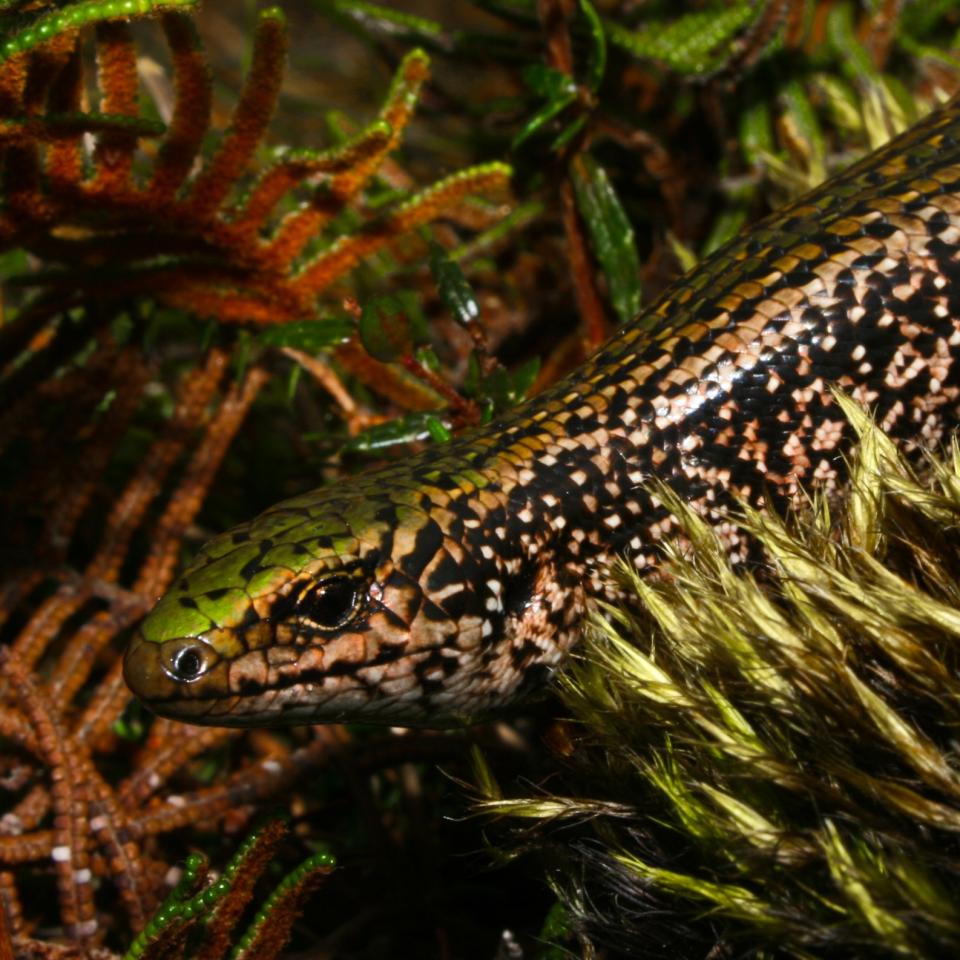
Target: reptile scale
442, 588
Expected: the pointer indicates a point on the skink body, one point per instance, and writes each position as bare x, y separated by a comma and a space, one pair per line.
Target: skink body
442, 588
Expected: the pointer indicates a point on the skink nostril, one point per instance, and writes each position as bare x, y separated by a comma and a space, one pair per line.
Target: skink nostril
187, 660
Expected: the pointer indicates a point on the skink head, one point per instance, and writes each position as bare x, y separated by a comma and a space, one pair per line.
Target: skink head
379, 604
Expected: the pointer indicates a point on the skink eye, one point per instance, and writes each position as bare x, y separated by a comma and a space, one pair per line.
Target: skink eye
331, 603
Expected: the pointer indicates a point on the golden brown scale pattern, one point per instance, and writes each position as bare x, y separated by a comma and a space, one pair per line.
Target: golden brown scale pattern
444, 587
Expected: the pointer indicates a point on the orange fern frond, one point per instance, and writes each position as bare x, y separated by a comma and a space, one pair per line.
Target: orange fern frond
179, 237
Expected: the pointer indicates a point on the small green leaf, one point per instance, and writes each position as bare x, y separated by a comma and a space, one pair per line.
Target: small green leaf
392, 326
242, 353
692, 44
804, 125
549, 83
523, 378
756, 131
438, 429
395, 23
383, 436
454, 288
611, 235
557, 88
292, 382
597, 59
311, 336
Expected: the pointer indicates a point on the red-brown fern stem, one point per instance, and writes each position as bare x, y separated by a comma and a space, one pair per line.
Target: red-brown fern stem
129, 378
795, 23
28, 813
273, 931
254, 110
30, 848
68, 792
117, 80
67, 490
13, 78
110, 824
355, 416
396, 112
63, 163
262, 300
231, 907
328, 200
464, 410
21, 183
147, 482
45, 622
79, 657
368, 154
391, 382
67, 339
266, 778
877, 30
281, 178
46, 62
14, 726
191, 110
11, 914
589, 303
95, 725
187, 498
166, 751
13, 591
347, 252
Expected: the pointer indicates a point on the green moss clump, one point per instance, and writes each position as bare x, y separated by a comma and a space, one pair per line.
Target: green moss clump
767, 760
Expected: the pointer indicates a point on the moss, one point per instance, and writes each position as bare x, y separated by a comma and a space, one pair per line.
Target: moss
767, 757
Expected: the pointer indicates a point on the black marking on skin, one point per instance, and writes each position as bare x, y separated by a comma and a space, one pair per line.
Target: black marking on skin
432, 612
188, 602
456, 604
444, 573
519, 592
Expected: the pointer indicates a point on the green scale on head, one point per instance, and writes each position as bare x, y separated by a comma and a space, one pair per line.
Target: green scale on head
445, 587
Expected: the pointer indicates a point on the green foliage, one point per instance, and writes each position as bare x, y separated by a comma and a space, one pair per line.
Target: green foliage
196, 920
611, 235
693, 43
392, 326
33, 24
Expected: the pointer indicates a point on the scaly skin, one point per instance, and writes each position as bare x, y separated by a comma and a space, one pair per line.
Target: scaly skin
442, 588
